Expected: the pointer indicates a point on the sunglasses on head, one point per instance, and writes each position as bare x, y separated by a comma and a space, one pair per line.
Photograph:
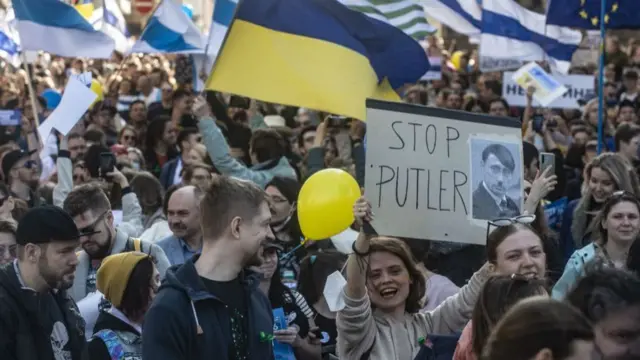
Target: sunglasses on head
91, 229
498, 223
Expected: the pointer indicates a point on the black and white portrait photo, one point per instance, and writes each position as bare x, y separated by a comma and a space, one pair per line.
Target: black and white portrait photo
496, 175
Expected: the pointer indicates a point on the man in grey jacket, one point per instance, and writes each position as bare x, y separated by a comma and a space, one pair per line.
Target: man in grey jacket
90, 209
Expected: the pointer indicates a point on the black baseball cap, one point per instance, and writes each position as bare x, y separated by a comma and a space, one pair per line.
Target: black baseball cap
11, 158
45, 224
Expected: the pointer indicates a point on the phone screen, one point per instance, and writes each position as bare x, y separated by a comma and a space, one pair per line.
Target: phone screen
107, 163
547, 160
538, 121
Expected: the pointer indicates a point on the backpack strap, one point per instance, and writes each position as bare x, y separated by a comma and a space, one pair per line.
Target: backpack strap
112, 342
135, 244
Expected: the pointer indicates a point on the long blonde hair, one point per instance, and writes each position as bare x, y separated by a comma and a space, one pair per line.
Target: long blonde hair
622, 174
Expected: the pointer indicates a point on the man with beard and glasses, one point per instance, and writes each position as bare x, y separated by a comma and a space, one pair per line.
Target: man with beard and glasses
183, 216
211, 307
23, 176
38, 319
90, 209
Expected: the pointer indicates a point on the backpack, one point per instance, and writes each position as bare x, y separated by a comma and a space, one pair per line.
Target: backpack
112, 342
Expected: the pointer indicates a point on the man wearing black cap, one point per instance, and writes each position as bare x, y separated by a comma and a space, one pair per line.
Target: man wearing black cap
22, 175
38, 320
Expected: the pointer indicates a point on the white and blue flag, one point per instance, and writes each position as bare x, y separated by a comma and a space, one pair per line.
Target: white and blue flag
58, 28
9, 39
463, 16
109, 20
223, 12
510, 34
170, 30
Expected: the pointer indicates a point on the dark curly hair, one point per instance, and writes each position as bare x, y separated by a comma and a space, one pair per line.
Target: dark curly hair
603, 291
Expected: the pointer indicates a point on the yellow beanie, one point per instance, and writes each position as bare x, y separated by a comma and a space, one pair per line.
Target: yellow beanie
113, 276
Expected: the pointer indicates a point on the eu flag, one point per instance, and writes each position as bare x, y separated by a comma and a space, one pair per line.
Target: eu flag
585, 14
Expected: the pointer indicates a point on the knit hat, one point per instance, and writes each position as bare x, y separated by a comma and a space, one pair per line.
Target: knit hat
114, 273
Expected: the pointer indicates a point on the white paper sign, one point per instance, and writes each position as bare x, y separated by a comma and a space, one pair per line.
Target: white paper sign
490, 64
436, 174
76, 100
547, 87
578, 87
84, 78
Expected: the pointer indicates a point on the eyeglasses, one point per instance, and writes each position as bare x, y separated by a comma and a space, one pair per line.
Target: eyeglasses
8, 249
91, 229
522, 219
29, 164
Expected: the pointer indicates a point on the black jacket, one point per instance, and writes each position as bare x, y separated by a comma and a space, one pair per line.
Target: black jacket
485, 207
184, 321
22, 336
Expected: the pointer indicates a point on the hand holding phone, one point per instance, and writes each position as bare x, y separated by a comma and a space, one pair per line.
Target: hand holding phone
107, 164
547, 160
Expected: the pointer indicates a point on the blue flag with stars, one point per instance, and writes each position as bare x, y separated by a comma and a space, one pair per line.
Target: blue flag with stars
585, 14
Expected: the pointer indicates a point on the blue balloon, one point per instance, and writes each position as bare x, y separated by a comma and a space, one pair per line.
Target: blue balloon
52, 98
188, 9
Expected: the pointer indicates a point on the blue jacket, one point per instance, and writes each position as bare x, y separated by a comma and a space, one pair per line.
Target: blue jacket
184, 320
172, 247
168, 172
573, 271
567, 244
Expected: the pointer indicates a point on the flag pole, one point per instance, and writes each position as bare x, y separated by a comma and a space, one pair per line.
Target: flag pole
601, 113
32, 95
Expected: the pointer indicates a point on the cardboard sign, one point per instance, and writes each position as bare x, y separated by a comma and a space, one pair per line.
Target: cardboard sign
438, 174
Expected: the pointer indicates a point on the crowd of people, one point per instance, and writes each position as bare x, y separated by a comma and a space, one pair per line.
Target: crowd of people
190, 246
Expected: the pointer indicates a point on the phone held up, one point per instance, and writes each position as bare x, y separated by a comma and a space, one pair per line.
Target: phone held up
547, 160
107, 164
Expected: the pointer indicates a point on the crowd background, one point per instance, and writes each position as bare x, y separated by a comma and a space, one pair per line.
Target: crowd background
175, 147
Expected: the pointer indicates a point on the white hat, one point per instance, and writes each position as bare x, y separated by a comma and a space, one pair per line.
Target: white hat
275, 121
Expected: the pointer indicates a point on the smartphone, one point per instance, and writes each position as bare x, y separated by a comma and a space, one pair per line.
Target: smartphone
547, 160
107, 163
538, 122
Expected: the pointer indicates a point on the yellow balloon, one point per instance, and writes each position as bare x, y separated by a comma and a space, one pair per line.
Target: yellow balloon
455, 59
325, 203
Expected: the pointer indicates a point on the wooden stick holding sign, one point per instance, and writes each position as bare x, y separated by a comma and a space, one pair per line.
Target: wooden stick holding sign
439, 174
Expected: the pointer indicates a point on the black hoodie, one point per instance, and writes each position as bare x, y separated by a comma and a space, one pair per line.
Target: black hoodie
25, 324
186, 321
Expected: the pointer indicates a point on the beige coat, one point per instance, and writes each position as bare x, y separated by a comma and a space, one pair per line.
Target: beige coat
360, 327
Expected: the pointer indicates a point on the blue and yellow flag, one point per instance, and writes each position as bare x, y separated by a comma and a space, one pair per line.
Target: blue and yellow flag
84, 7
316, 54
585, 14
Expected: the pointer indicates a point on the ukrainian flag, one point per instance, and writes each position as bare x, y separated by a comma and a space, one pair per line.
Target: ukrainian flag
315, 54
84, 7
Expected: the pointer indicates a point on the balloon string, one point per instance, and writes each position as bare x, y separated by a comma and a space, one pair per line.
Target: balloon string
285, 256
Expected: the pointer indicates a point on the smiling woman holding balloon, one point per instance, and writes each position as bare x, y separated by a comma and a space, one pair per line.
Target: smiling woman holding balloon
383, 294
